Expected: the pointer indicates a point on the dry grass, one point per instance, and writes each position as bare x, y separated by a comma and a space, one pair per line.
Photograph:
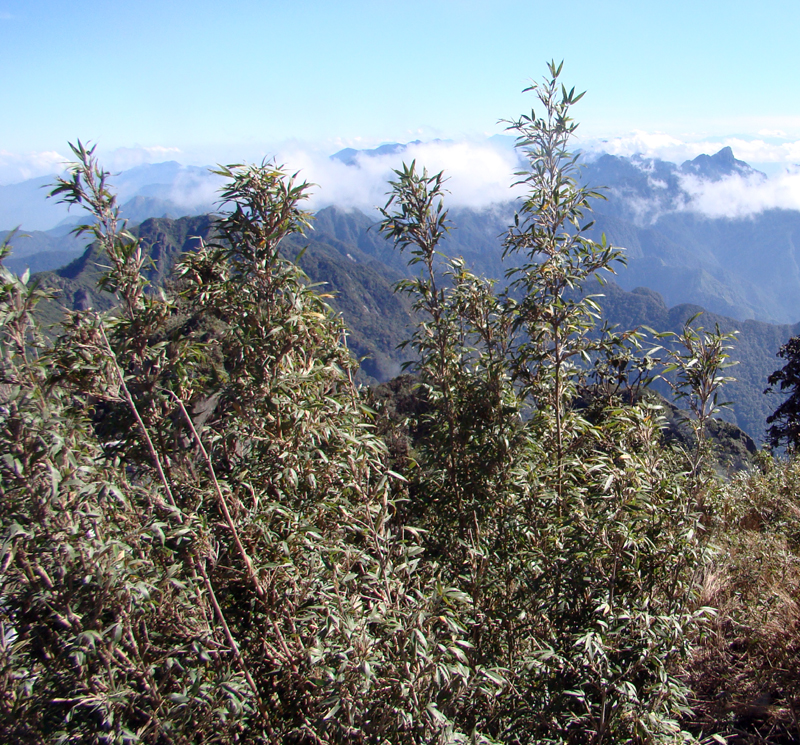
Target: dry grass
745, 669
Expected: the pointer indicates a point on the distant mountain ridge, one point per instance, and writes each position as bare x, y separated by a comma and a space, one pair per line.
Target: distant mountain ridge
718, 166
747, 267
170, 187
350, 156
350, 257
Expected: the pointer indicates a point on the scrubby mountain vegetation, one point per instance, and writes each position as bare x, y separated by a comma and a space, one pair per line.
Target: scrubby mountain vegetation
211, 533
347, 253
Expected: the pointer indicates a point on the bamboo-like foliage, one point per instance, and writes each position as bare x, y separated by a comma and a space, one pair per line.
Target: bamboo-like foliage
698, 359
197, 535
202, 540
573, 539
556, 259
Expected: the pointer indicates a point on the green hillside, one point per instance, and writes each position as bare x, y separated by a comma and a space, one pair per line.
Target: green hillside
347, 255
755, 348
211, 533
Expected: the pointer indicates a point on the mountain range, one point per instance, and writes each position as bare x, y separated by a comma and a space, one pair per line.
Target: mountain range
747, 267
742, 270
360, 269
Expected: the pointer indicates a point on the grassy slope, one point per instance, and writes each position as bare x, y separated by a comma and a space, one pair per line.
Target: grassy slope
744, 669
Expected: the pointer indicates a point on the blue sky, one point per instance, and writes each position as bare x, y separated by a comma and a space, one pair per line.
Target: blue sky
207, 81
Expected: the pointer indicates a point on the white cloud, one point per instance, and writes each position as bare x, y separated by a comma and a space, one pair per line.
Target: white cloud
479, 174
16, 167
195, 189
734, 197
759, 151
739, 196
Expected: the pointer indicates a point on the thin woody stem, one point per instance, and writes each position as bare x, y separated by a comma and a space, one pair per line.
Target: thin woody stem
221, 498
129, 399
198, 563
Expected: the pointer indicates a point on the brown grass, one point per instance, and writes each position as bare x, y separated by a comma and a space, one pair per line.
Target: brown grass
745, 668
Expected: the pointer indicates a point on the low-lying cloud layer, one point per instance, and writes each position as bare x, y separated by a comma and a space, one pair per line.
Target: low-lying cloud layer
480, 173
739, 196
735, 196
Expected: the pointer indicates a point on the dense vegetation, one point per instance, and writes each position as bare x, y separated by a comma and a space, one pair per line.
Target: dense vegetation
212, 534
359, 268
785, 420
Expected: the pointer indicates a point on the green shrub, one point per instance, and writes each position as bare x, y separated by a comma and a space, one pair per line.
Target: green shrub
203, 540
575, 541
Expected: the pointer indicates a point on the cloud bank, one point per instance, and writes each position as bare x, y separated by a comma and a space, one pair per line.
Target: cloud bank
736, 196
17, 167
771, 148
740, 197
479, 174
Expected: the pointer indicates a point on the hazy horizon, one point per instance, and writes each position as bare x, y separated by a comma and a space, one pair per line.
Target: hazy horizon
201, 83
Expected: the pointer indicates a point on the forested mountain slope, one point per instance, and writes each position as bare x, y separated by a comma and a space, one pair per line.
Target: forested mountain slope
693, 248
754, 350
378, 319
360, 268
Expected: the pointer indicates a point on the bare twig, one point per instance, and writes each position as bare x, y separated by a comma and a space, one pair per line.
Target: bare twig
221, 498
140, 421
